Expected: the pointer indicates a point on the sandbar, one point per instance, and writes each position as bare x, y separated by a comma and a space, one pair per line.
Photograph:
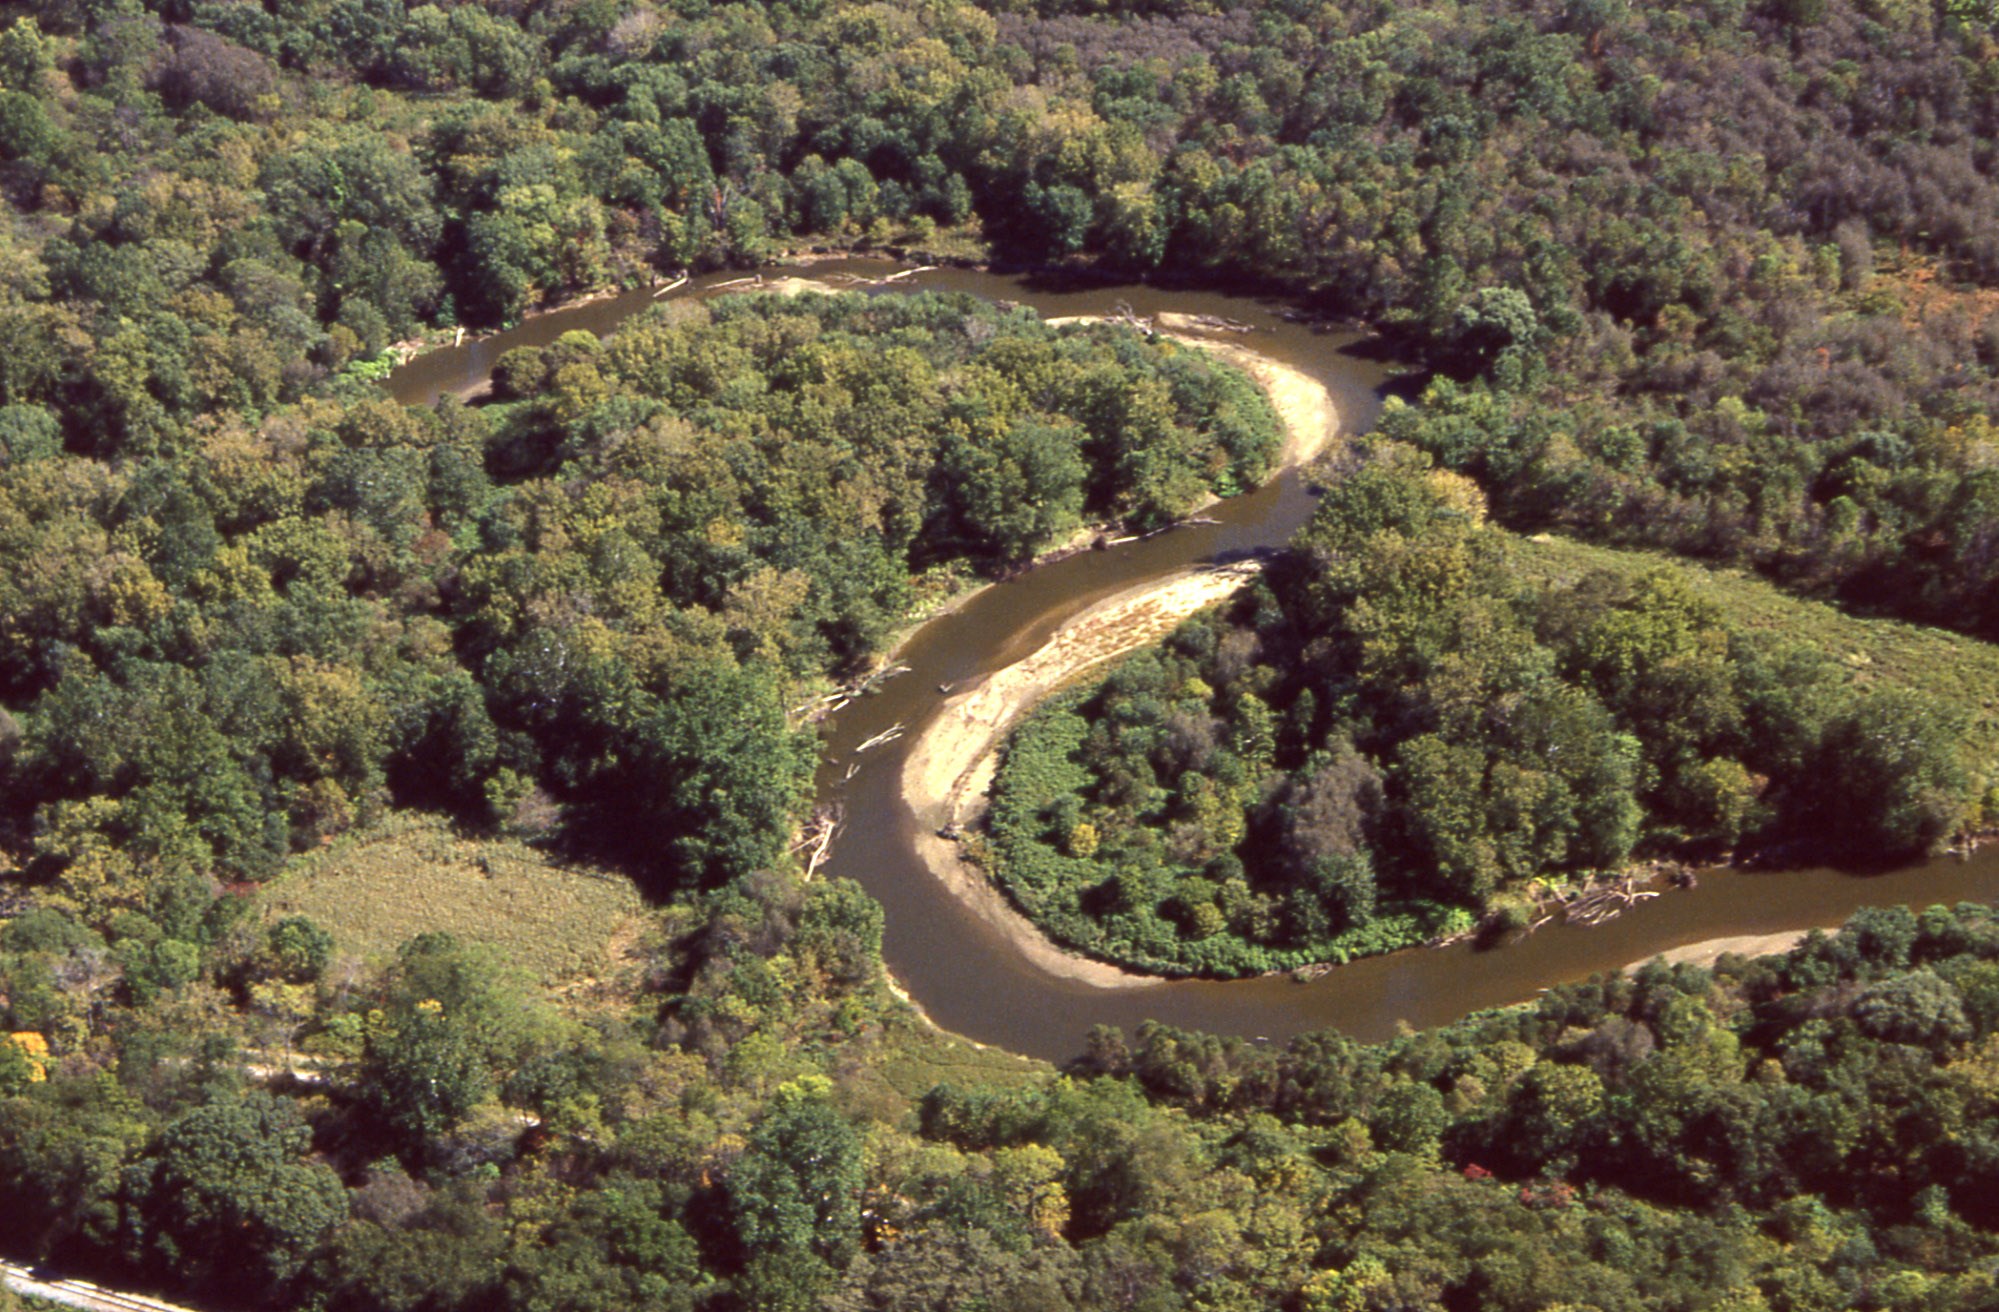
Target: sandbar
952, 761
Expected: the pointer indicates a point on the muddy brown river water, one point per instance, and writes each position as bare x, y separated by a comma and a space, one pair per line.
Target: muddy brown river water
965, 974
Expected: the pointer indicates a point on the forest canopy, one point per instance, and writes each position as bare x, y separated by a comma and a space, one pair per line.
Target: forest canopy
598, 594
1713, 280
1423, 719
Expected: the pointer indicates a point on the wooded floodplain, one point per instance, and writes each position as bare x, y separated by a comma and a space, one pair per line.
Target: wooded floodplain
1422, 722
1682, 540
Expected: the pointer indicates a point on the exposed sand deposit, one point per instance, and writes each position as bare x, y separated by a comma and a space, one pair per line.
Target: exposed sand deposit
1708, 951
794, 287
1303, 405
1302, 402
951, 764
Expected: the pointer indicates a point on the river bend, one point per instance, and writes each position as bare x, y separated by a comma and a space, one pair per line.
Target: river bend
967, 975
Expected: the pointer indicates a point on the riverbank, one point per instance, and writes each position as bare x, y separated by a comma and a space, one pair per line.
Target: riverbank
422, 376
411, 349
973, 981
414, 348
1302, 403
951, 764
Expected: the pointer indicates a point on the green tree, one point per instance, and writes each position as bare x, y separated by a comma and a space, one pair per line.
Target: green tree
299, 949
796, 1188
840, 932
719, 771
614, 1249
25, 55
1495, 324
1015, 495
457, 1020
1889, 776
17, 1072
1061, 216
1409, 1118
426, 1072
226, 1196
1917, 1008
1552, 1117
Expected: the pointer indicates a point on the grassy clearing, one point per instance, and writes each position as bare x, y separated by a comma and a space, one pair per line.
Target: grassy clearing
1958, 671
915, 1058
412, 874
965, 242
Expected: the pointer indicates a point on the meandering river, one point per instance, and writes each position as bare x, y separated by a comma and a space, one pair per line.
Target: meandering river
964, 973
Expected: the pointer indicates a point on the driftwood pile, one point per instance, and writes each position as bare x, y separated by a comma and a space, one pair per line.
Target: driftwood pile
1594, 903
815, 841
1130, 318
1582, 905
820, 707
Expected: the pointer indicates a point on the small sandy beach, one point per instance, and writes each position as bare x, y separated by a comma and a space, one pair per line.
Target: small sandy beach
1708, 951
1302, 402
952, 761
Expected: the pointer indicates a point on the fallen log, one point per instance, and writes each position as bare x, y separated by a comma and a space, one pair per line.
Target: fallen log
1221, 324
816, 841
841, 695
881, 739
873, 682
818, 708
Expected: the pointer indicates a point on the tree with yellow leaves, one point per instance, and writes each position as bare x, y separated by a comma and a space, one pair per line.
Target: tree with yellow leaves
24, 1060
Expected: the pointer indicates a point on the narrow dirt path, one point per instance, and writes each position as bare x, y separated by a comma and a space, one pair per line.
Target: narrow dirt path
80, 1293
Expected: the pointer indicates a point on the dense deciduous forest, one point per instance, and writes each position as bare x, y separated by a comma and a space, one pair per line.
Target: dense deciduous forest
1713, 278
763, 1128
1713, 253
598, 594
1422, 718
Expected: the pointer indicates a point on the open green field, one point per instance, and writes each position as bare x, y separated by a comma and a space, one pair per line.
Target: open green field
412, 874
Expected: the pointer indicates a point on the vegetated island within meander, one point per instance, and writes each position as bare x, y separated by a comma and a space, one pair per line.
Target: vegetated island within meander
588, 606
1416, 720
